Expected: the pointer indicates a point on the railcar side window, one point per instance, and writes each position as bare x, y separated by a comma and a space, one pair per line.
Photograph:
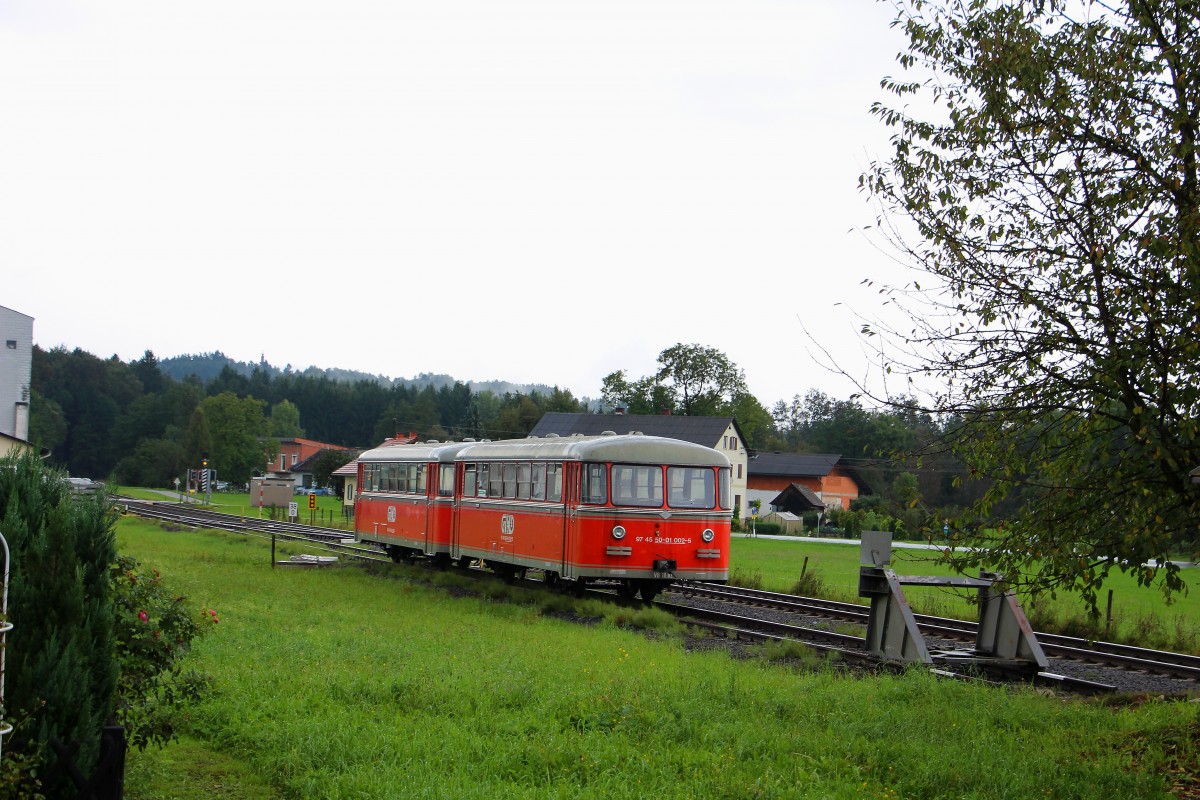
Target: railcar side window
554, 482
484, 481
510, 480
468, 488
524, 479
445, 480
593, 488
420, 478
495, 480
691, 487
538, 482
637, 485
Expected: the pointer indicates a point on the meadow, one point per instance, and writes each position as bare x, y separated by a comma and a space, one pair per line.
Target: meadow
1140, 615
395, 682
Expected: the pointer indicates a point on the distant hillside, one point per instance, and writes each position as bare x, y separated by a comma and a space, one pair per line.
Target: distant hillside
207, 366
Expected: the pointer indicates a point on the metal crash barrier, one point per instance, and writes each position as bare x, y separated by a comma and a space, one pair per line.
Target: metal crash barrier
1004, 640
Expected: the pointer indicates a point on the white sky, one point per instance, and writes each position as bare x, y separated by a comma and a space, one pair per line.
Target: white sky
530, 191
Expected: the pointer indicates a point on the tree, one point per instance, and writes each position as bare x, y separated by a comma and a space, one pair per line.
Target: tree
643, 396
328, 460
285, 420
62, 668
238, 427
692, 380
1053, 183
705, 381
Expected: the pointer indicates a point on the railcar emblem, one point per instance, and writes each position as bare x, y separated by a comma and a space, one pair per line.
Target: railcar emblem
391, 513
508, 524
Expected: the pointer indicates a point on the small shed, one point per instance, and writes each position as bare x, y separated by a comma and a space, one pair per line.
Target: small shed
797, 499
788, 522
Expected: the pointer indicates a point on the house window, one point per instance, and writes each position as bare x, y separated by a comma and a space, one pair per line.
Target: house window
739, 471
282, 461
11, 344
293, 459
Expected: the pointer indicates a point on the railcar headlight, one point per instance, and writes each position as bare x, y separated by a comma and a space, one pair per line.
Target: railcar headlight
708, 535
618, 532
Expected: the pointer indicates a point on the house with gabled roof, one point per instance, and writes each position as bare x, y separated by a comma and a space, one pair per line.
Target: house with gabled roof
799, 482
292, 452
719, 433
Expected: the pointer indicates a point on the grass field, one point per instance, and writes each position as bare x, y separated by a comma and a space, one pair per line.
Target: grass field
348, 683
1140, 615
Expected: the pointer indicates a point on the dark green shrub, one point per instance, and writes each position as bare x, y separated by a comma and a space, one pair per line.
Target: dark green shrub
61, 671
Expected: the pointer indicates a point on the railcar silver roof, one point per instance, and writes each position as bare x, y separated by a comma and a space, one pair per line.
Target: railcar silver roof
442, 452
628, 448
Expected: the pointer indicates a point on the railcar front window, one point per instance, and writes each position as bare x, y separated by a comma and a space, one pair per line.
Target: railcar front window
445, 480
726, 492
691, 487
634, 485
594, 488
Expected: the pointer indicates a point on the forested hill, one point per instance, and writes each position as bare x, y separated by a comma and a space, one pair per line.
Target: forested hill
207, 366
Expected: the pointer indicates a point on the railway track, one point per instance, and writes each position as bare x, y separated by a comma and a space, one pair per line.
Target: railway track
766, 615
1061, 648
326, 539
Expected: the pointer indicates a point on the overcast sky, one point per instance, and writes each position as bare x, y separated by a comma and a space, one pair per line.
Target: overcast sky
535, 191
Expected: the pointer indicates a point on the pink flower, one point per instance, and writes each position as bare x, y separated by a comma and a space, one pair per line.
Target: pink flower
143, 616
212, 612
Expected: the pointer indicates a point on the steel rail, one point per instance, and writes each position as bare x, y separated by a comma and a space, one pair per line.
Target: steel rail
1180, 665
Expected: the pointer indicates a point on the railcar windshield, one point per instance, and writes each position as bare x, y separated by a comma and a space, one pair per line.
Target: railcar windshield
691, 487
637, 485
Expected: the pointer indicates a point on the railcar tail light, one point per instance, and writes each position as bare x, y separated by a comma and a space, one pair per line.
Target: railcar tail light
618, 532
708, 535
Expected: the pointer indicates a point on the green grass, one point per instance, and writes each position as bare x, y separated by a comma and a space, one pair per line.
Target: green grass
1140, 615
352, 683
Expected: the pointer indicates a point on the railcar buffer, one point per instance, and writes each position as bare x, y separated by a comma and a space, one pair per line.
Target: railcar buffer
1005, 639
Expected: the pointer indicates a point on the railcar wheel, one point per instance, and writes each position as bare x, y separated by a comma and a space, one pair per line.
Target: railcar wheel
580, 586
464, 562
441, 560
649, 591
550, 579
398, 555
627, 589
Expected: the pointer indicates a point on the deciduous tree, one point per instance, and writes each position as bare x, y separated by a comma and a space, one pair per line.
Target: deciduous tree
1045, 183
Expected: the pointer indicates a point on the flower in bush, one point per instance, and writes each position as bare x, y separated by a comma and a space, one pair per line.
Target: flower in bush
155, 628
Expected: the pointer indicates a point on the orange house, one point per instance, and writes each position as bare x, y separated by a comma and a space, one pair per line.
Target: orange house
821, 480
294, 451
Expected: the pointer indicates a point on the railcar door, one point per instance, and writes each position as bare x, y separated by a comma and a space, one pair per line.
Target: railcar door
431, 508
570, 523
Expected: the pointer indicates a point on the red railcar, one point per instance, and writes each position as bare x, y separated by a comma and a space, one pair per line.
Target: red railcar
635, 511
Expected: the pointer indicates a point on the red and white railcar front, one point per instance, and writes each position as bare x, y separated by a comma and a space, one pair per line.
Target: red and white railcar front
633, 511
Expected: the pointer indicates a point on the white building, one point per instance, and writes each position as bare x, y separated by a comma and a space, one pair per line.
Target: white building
16, 368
